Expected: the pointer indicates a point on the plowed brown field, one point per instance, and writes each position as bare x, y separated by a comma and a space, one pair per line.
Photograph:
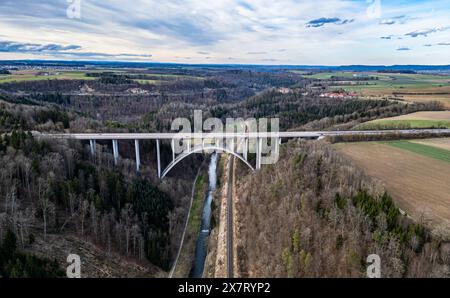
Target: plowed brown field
420, 185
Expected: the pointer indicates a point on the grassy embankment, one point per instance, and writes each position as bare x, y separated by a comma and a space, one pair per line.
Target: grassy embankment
186, 258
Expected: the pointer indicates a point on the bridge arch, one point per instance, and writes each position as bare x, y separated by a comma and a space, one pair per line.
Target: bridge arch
199, 149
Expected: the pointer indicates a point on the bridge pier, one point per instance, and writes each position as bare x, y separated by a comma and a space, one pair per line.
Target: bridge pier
245, 148
221, 141
115, 151
258, 153
138, 157
92, 144
188, 145
158, 159
277, 146
173, 149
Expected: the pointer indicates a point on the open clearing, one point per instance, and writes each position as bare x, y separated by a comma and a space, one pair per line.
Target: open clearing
418, 183
439, 119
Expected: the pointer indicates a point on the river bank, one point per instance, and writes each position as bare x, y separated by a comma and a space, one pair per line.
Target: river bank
215, 264
187, 253
191, 260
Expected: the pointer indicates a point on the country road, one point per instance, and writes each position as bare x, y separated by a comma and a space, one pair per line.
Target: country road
230, 219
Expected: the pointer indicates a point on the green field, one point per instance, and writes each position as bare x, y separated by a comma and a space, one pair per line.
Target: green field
403, 124
429, 151
34, 77
397, 82
81, 75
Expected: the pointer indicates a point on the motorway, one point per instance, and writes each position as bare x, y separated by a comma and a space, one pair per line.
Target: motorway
226, 135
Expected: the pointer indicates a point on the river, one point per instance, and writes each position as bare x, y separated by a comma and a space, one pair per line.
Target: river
201, 247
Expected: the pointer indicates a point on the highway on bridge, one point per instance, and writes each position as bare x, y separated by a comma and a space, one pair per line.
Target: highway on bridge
213, 135
230, 142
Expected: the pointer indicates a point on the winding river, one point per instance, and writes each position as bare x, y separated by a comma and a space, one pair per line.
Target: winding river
201, 247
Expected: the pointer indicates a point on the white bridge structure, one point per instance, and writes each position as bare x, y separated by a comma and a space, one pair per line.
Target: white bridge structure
237, 144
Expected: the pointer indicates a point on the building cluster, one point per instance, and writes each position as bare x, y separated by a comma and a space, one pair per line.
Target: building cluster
339, 94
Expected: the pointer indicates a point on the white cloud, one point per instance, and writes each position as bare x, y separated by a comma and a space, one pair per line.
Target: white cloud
174, 30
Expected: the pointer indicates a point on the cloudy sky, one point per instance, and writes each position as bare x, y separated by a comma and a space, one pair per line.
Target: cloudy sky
297, 32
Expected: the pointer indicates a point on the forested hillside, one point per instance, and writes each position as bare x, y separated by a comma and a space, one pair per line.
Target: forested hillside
55, 197
50, 188
313, 214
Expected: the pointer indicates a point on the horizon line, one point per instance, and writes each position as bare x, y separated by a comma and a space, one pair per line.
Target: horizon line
219, 64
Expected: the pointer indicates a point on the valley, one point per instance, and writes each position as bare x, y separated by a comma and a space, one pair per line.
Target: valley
325, 204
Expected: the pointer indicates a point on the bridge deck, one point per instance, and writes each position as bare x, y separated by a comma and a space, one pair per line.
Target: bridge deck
285, 134
215, 137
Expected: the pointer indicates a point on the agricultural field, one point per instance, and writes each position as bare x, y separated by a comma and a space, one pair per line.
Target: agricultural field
35, 75
419, 120
422, 149
443, 143
416, 175
23, 76
407, 87
325, 75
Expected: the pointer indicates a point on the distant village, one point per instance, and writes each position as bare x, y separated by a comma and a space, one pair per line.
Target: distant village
332, 94
339, 94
